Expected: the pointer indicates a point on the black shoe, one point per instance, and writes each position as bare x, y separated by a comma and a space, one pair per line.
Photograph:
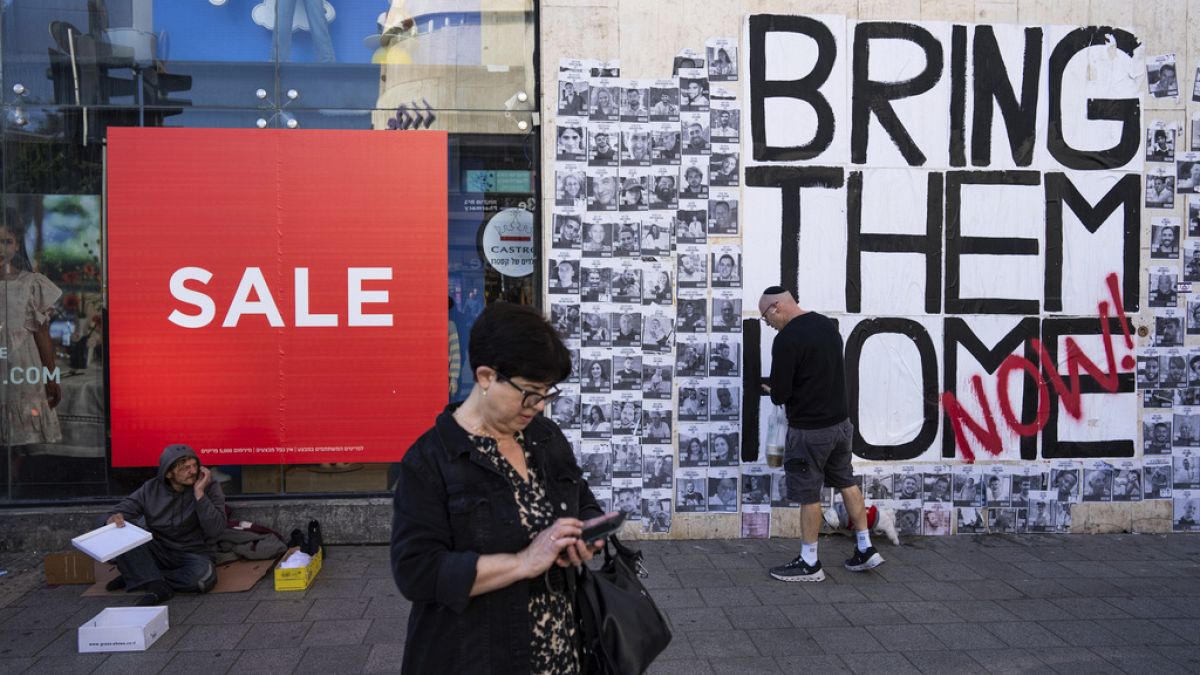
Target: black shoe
115, 584
296, 540
862, 561
313, 542
159, 592
798, 570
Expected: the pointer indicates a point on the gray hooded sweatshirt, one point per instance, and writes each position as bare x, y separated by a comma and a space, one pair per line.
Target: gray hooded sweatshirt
177, 519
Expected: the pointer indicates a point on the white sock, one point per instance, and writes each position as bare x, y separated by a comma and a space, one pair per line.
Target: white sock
808, 552
864, 539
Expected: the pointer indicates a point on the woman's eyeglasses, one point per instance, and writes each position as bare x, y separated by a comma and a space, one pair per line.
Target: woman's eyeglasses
530, 399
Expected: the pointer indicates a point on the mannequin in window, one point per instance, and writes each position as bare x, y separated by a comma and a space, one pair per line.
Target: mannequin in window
285, 15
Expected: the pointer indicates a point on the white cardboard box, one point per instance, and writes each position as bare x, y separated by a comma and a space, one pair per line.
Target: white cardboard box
110, 541
123, 629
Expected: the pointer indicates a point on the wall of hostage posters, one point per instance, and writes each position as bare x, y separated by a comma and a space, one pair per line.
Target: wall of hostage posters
968, 202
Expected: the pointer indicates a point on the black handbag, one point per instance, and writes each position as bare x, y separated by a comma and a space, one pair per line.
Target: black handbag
621, 629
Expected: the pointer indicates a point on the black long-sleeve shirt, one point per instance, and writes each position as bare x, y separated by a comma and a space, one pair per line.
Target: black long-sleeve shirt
808, 375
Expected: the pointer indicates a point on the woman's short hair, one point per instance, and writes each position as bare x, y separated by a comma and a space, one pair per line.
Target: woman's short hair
517, 341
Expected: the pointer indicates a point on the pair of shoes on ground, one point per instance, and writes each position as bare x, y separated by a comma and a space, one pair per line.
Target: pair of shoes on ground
157, 591
798, 570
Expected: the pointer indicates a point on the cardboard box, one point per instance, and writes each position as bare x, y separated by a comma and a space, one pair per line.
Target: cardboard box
297, 578
69, 567
110, 541
123, 629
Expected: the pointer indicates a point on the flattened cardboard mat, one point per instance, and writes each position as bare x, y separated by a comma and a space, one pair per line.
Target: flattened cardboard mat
232, 577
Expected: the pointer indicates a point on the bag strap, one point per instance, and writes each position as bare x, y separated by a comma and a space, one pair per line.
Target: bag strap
630, 556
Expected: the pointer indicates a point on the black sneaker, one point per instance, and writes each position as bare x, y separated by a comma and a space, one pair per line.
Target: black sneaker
798, 570
862, 561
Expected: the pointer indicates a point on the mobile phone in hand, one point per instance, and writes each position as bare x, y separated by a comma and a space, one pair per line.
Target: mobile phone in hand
602, 529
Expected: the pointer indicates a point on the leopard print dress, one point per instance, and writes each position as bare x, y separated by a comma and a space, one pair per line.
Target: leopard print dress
551, 613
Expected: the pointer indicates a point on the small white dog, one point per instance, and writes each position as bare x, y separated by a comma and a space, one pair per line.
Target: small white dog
879, 520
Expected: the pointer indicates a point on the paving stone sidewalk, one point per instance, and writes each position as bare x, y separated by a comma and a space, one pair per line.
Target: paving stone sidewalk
970, 604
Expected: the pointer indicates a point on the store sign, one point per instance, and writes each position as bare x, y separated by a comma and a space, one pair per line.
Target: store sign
275, 296
508, 242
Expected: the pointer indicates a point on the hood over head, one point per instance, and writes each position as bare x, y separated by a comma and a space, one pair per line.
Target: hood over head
172, 454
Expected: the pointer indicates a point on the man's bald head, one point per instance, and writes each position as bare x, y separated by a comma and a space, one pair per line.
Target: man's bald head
778, 307
773, 295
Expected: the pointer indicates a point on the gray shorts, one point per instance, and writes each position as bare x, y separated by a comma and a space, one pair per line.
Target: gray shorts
816, 458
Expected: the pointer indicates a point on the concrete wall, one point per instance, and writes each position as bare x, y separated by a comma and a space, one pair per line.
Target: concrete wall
646, 35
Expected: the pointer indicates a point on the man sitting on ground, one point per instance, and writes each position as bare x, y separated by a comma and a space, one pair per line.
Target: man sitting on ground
185, 511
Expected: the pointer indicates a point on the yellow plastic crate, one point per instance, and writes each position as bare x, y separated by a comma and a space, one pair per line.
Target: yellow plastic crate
297, 578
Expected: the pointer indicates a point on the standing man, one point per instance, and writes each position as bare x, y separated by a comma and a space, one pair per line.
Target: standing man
808, 378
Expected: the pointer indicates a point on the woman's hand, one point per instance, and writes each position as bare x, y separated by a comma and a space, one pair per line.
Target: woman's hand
579, 552
546, 547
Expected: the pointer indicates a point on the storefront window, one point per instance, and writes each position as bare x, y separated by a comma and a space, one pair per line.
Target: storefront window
72, 69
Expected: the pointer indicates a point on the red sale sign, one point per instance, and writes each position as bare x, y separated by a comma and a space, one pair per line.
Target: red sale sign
275, 296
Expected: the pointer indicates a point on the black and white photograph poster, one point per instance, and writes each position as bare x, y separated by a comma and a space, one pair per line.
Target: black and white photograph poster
693, 90
723, 446
1161, 77
1161, 290
597, 463
658, 330
908, 518
726, 311
723, 165
722, 56
1127, 481
1160, 189
969, 520
724, 400
563, 268
696, 139
604, 100
1185, 470
1164, 238
1097, 481
756, 521
635, 100
573, 94
1186, 438
627, 497
565, 409
657, 376
1156, 478
687, 60
691, 495
693, 444
726, 266
877, 483
664, 100
1156, 434
724, 122
936, 517
1066, 480
723, 213
1168, 330
657, 467
656, 511
997, 486
693, 266
569, 186
1187, 173
723, 489
602, 195
968, 488
1185, 511
779, 492
1191, 267
1040, 513
572, 146
595, 416
1160, 142
627, 236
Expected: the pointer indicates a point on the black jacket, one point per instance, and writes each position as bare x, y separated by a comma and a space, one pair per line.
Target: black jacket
451, 506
